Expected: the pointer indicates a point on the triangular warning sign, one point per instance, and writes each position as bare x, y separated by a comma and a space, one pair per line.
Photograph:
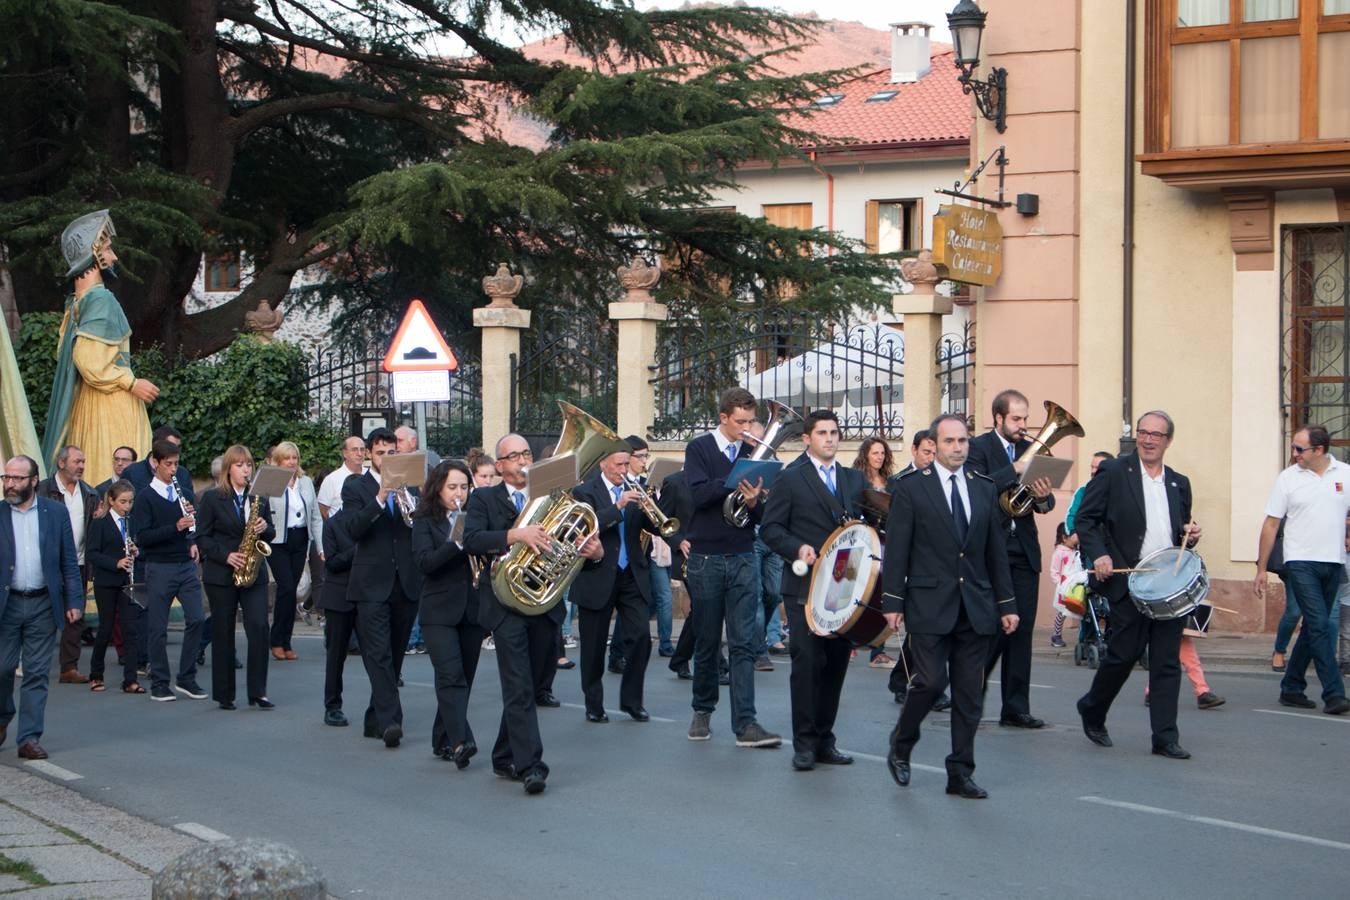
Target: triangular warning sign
418, 346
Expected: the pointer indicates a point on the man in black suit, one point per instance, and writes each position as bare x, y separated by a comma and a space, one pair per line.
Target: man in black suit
806, 505
946, 578
339, 611
676, 501
524, 644
618, 581
996, 454
385, 584
1132, 507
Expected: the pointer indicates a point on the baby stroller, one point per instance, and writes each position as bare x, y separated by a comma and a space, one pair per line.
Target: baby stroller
1089, 609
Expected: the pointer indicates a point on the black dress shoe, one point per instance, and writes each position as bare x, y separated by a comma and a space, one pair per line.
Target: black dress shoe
942, 704
507, 771
1172, 750
1337, 706
965, 786
804, 761
636, 713
261, 703
534, 782
392, 735
898, 764
227, 704
900, 696
547, 699
335, 718
465, 752
1021, 720
682, 672
1097, 734
1297, 700
831, 756
597, 717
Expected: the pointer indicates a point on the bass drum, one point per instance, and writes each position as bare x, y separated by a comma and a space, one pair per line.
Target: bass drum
845, 595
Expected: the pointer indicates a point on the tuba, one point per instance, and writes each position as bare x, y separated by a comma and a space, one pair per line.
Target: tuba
532, 583
734, 512
1016, 501
252, 549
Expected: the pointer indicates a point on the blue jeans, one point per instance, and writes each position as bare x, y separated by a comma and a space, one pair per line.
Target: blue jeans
725, 588
767, 620
567, 618
660, 607
415, 636
26, 627
1315, 585
1285, 630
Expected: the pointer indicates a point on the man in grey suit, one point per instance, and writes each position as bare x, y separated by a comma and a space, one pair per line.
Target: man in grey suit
40, 591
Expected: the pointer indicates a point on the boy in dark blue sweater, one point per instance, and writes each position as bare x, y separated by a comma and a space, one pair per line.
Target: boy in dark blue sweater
162, 521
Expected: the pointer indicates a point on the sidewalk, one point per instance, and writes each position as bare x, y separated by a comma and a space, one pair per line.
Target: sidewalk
55, 843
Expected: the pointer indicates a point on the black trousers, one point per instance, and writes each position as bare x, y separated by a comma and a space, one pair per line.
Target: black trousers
454, 651
287, 563
547, 669
1015, 649
1131, 631
337, 631
402, 615
372, 630
523, 644
684, 645
593, 628
69, 651
251, 602
818, 669
114, 608
958, 657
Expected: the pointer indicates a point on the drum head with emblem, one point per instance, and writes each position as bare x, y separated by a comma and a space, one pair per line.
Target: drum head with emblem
846, 572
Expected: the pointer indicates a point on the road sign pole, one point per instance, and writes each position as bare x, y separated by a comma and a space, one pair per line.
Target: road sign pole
422, 436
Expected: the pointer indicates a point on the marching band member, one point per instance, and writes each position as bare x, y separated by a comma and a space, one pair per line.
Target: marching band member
299, 525
806, 505
106, 551
946, 578
226, 510
339, 620
525, 644
449, 609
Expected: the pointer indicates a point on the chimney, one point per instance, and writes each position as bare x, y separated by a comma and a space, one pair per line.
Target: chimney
910, 58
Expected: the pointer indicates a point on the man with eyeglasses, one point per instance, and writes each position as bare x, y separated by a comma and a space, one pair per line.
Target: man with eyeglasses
122, 457
40, 593
1133, 507
525, 645
1313, 497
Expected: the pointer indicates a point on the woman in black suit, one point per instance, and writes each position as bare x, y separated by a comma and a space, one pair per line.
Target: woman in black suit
449, 620
220, 531
106, 553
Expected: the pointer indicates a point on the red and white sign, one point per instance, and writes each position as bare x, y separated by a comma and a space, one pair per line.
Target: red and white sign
418, 346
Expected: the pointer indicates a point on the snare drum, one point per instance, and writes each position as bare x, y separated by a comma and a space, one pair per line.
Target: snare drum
844, 599
1163, 595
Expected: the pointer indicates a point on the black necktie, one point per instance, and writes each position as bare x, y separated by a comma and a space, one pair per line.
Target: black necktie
959, 513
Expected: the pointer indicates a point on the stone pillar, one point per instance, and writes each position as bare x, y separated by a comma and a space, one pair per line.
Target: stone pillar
502, 322
239, 868
923, 310
637, 315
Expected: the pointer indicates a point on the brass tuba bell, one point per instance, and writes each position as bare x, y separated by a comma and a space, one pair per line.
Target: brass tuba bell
1017, 500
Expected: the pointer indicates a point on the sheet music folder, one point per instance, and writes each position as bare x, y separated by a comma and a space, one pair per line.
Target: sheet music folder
1052, 467
556, 474
270, 481
404, 469
753, 469
661, 469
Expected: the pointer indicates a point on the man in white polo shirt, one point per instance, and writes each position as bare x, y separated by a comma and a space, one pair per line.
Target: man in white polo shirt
1313, 495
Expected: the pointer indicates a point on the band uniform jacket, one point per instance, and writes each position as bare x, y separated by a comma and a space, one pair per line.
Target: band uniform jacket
490, 514
987, 457
445, 574
60, 566
801, 510
595, 582
383, 544
676, 501
220, 532
927, 574
1111, 519
338, 550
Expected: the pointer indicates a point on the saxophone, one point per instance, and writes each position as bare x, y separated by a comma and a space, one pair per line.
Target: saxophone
251, 548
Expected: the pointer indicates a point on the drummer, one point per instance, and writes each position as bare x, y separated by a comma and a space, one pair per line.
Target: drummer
807, 503
1116, 533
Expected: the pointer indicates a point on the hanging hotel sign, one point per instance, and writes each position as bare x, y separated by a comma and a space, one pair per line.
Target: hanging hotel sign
969, 242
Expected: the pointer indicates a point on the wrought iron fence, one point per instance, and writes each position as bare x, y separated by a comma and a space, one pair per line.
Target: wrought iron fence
1315, 328
344, 380
574, 359
856, 370
956, 371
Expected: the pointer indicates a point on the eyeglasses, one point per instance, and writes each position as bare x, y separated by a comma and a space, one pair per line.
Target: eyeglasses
642, 454
19, 477
1298, 450
519, 455
1152, 435
124, 459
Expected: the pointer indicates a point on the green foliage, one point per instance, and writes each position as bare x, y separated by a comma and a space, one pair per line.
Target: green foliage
35, 351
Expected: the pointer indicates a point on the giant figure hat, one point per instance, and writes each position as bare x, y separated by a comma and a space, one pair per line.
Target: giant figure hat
79, 238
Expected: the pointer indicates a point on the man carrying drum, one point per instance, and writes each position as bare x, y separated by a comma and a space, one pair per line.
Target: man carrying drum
806, 505
1136, 506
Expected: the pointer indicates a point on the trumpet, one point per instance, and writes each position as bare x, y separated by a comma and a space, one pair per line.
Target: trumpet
457, 535
665, 525
407, 503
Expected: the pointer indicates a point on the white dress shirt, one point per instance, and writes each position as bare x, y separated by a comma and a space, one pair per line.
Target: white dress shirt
1157, 513
946, 474
75, 506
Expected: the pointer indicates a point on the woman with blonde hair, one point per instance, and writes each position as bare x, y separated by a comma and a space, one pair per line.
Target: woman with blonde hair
299, 526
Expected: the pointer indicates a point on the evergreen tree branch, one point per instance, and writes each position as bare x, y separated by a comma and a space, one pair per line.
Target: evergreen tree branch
258, 116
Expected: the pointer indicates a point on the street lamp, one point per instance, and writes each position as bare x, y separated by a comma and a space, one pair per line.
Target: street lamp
967, 26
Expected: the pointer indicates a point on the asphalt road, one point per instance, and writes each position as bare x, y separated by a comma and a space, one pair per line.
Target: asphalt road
636, 810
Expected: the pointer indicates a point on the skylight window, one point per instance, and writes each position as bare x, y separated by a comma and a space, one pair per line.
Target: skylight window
827, 100
881, 96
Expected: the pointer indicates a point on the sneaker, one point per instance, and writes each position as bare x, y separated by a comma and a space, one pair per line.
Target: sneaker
161, 694
701, 728
190, 690
420, 650
143, 671
411, 651
1057, 641
754, 735
1209, 700
763, 664
882, 661
569, 643
488, 643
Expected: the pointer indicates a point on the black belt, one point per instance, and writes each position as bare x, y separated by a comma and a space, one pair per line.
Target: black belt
36, 592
